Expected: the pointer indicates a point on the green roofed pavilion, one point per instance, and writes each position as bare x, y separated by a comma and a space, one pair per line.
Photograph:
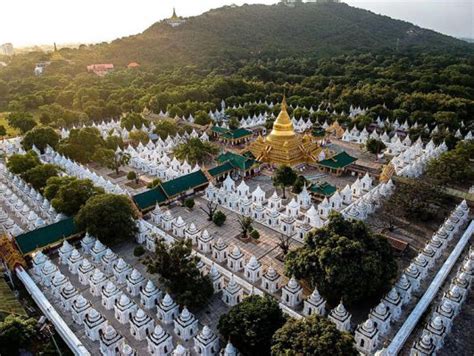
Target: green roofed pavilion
149, 198
46, 236
221, 169
243, 164
336, 164
322, 189
183, 184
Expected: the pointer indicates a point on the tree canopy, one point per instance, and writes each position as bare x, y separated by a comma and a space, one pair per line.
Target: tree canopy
453, 167
41, 137
70, 195
284, 177
250, 325
39, 175
109, 217
314, 335
20, 163
345, 260
16, 333
195, 151
178, 271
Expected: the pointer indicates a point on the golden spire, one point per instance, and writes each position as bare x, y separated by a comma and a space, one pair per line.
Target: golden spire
174, 16
282, 127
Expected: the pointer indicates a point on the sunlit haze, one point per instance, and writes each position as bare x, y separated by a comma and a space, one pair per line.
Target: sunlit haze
28, 22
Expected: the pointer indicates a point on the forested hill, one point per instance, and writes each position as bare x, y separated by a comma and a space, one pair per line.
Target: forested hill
277, 31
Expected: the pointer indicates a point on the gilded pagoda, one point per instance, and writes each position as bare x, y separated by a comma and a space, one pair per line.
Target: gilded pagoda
283, 145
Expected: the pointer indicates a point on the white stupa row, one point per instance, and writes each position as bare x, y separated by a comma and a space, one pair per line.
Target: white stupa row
442, 318
76, 169
389, 310
142, 326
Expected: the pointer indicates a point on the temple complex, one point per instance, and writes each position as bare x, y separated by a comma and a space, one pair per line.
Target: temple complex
283, 146
175, 20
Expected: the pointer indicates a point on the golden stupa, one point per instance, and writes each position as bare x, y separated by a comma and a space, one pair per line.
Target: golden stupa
283, 145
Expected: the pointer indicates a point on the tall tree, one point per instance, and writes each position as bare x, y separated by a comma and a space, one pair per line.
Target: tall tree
314, 335
251, 324
111, 159
39, 175
18, 163
246, 225
22, 121
109, 217
178, 271
196, 151
41, 137
284, 177
345, 260
73, 195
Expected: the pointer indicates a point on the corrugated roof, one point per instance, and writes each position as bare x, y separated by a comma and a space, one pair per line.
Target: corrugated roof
340, 160
46, 235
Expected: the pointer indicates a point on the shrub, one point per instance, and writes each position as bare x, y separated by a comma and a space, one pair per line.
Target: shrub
255, 235
138, 251
131, 175
189, 203
219, 218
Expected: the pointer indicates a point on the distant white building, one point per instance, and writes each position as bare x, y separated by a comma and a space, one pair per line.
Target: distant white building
6, 49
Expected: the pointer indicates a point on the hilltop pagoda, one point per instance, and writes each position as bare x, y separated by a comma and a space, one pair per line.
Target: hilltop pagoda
175, 20
283, 146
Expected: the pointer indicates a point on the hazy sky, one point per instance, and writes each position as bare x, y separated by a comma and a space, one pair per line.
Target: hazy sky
27, 22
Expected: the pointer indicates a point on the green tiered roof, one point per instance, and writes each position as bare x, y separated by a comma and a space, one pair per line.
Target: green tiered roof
236, 160
231, 134
323, 188
341, 160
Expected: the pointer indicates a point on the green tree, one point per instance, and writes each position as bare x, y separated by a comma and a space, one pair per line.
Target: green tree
3, 131
154, 183
82, 144
133, 120
111, 159
18, 163
284, 177
219, 218
196, 151
374, 146
234, 123
73, 195
113, 142
41, 137
453, 167
202, 118
189, 203
16, 333
314, 335
345, 260
246, 225
39, 175
417, 200
138, 136
177, 268
251, 324
299, 184
53, 184
22, 121
109, 217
